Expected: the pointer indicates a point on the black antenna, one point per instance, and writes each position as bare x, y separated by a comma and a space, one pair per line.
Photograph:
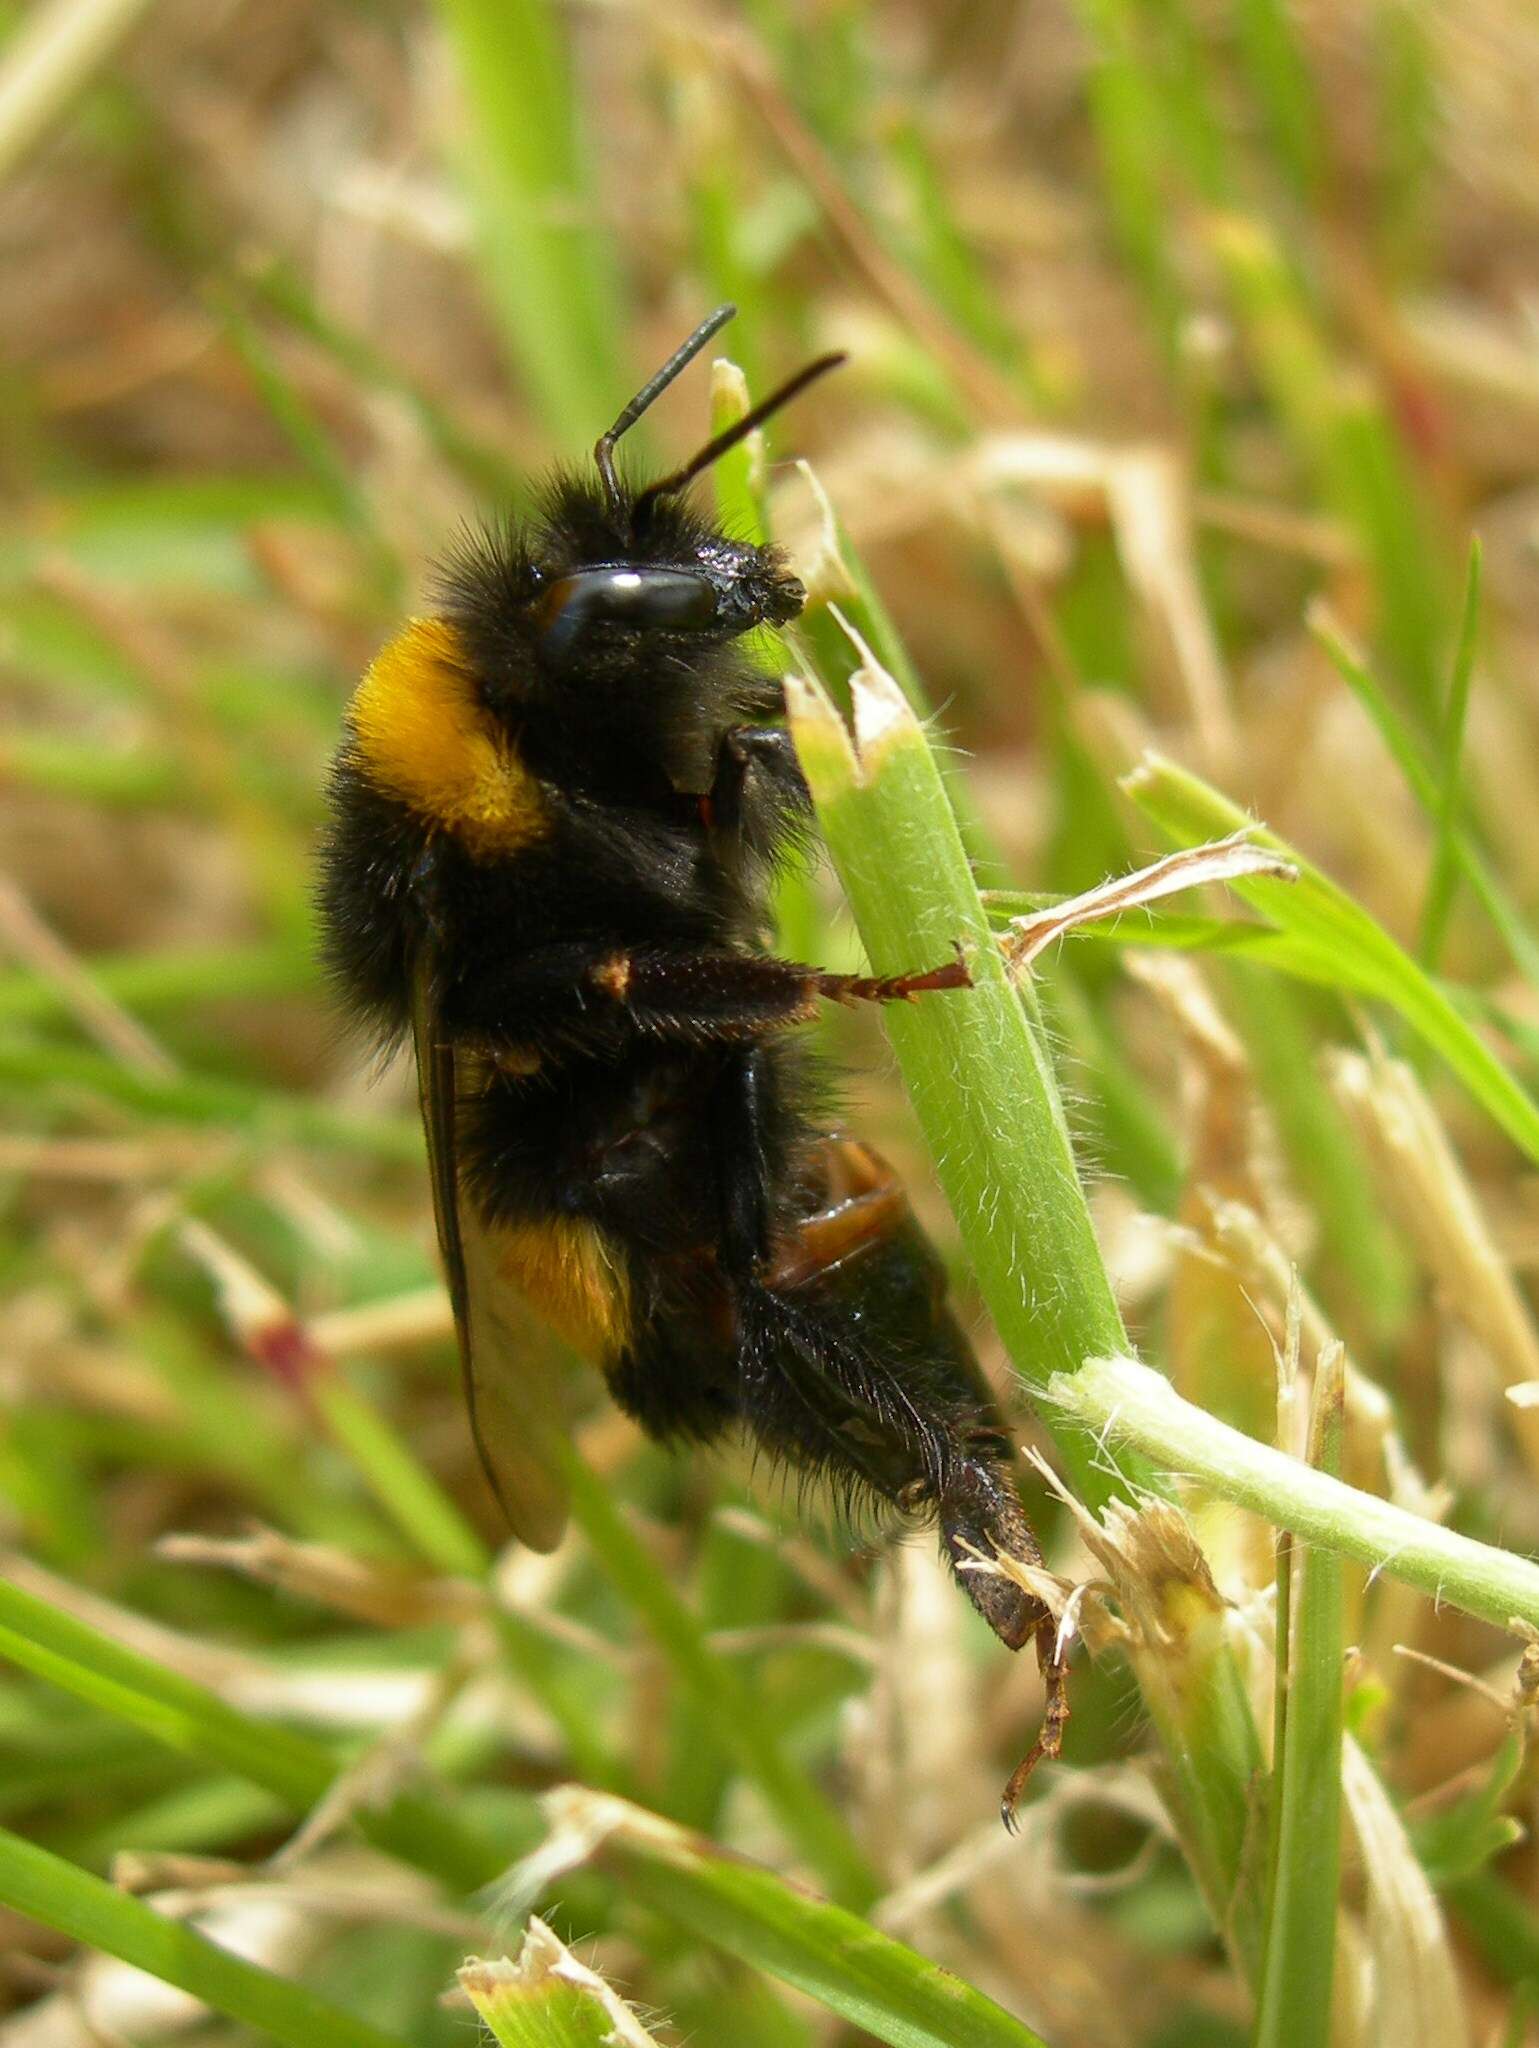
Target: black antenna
738, 431
604, 448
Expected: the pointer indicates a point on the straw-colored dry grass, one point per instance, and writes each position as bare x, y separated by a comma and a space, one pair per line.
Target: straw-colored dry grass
1190, 346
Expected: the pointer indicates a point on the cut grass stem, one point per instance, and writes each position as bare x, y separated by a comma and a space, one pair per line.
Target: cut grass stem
982, 1084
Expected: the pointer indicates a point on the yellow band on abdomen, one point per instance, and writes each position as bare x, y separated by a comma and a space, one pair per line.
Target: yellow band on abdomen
568, 1275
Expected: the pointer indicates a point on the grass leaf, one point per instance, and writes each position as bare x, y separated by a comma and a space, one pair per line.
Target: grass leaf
46, 1888
841, 1960
1346, 942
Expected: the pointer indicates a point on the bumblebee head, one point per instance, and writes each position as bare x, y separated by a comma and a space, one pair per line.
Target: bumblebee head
698, 587
646, 564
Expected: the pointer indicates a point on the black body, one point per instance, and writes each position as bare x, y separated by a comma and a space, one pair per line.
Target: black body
615, 1041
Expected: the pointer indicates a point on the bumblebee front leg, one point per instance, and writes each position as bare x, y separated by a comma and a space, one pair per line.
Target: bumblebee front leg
765, 752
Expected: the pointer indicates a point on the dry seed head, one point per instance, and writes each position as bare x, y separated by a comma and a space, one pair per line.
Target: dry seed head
1156, 1572
1162, 1577
1426, 1185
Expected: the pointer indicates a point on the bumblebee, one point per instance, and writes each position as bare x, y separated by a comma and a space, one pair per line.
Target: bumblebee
556, 813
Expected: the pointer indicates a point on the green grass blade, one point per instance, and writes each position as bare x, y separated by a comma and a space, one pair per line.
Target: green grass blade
64, 1072
1314, 910
45, 1888
1420, 779
1294, 2007
1342, 435
281, 287
1130, 137
1504, 1923
312, 443
1280, 81
410, 1497
1358, 1245
835, 1957
172, 980
1440, 886
546, 264
406, 1492
196, 1722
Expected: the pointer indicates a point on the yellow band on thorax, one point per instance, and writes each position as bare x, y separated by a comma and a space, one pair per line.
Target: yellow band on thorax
423, 735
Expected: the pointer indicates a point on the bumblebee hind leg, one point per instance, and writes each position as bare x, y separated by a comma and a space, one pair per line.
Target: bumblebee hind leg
851, 1365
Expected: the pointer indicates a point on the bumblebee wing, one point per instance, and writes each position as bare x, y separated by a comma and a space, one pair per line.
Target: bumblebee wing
512, 1387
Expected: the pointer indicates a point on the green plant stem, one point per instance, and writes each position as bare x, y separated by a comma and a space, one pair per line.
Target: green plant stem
979, 1076
983, 1086
1127, 1402
46, 1888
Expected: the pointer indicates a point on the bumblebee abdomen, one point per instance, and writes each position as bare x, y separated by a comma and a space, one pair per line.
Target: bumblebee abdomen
574, 1278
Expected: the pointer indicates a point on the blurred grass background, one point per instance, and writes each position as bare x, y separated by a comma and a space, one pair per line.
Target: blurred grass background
1190, 346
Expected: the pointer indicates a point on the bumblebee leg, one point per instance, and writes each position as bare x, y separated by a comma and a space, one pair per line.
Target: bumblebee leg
1055, 1718
741, 1136
980, 1515
889, 1399
765, 751
981, 1518
740, 995
943, 1452
584, 991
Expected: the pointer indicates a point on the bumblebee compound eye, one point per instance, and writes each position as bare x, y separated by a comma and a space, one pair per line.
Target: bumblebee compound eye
672, 599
